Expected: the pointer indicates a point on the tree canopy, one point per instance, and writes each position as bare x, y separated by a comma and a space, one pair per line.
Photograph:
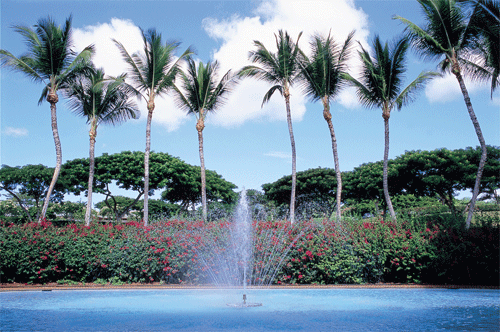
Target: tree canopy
440, 173
180, 180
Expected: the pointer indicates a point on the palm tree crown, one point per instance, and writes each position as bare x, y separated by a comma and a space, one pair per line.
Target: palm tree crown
154, 70
485, 23
323, 73
382, 76
281, 69
202, 92
101, 99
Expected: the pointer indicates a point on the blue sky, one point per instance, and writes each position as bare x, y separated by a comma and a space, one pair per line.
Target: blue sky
246, 144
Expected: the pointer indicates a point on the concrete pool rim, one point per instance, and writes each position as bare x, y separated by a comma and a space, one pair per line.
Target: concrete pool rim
53, 286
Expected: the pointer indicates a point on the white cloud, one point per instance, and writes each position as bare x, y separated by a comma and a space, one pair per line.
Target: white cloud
279, 154
446, 88
15, 132
238, 33
107, 54
108, 57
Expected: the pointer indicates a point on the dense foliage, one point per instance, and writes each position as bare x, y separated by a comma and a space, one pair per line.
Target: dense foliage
364, 251
180, 184
437, 175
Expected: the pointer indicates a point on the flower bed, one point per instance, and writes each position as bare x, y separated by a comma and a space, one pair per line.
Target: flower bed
319, 253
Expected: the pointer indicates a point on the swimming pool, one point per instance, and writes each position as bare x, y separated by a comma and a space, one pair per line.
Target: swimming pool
330, 309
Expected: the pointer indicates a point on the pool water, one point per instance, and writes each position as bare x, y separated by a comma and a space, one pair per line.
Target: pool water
282, 310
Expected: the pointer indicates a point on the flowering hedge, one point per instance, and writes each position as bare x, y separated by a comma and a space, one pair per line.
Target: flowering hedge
315, 252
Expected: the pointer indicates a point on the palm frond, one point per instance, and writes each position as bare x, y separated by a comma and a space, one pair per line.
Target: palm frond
201, 92
106, 99
171, 73
135, 63
409, 93
270, 93
23, 64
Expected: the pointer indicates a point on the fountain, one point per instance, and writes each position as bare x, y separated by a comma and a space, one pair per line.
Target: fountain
229, 257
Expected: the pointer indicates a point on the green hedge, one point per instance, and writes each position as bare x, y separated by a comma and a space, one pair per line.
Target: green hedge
361, 252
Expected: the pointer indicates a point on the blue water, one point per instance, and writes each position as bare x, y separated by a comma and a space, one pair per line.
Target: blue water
282, 310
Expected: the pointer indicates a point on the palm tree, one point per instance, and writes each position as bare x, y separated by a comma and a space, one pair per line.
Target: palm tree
153, 73
448, 35
323, 79
380, 85
99, 100
51, 61
282, 70
202, 94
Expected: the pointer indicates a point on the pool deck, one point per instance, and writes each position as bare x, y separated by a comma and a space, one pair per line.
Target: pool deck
54, 286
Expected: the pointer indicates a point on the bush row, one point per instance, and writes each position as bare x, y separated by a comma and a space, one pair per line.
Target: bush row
312, 252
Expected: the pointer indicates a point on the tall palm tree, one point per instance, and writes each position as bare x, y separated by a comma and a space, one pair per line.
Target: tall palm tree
51, 61
449, 36
381, 85
323, 80
282, 70
153, 73
202, 94
99, 100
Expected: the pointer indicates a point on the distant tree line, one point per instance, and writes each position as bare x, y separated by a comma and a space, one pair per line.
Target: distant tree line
437, 175
180, 183
416, 179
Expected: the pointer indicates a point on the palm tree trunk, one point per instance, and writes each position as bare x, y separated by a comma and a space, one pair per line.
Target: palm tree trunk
484, 152
328, 117
292, 142
386, 116
93, 133
200, 125
53, 98
146, 163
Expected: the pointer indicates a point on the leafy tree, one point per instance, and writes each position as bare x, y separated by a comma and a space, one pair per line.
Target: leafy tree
449, 35
51, 61
282, 70
124, 169
201, 94
186, 189
433, 173
381, 86
315, 193
153, 73
324, 78
364, 184
99, 100
29, 184
119, 205
490, 180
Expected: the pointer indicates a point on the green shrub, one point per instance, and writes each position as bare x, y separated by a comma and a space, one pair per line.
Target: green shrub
314, 252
